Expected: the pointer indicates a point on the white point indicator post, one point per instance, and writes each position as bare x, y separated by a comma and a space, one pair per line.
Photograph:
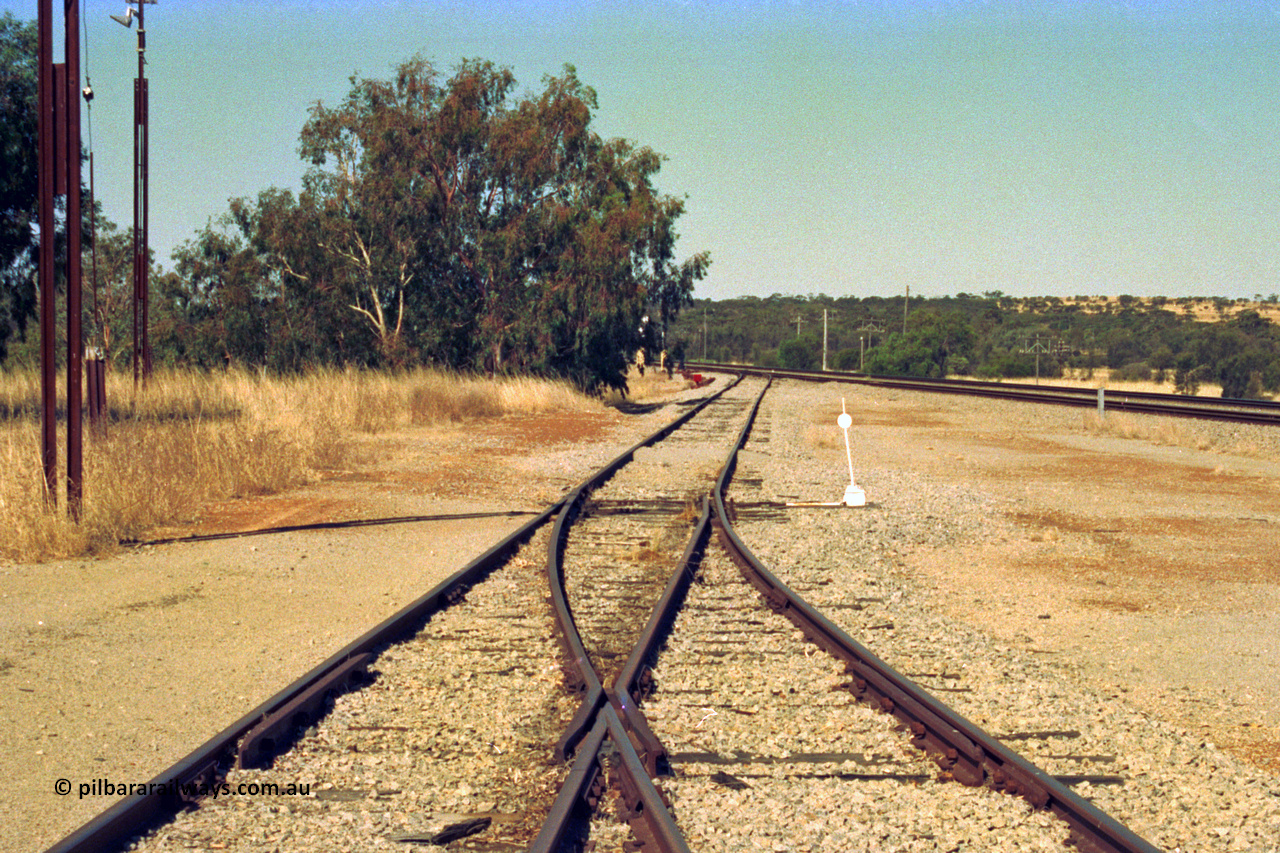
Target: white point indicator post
853, 495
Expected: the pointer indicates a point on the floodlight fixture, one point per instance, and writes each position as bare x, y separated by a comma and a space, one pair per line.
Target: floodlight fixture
126, 19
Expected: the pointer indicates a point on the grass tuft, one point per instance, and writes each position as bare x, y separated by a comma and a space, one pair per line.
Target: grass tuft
1167, 432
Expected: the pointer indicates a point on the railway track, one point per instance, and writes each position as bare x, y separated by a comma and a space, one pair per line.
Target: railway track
448, 738
793, 718
456, 735
320, 718
1266, 412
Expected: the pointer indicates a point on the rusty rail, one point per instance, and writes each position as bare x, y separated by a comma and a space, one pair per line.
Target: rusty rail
211, 760
1265, 412
968, 753
640, 754
579, 794
581, 676
141, 811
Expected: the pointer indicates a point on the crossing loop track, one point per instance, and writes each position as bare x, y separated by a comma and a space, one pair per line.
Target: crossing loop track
1265, 412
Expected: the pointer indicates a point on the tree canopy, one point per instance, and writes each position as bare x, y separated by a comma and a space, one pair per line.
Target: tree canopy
18, 178
447, 220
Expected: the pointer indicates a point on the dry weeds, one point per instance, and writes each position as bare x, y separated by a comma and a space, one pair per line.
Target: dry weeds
1165, 431
1100, 377
652, 385
188, 438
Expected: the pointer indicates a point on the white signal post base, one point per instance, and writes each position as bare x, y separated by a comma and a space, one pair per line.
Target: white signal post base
853, 495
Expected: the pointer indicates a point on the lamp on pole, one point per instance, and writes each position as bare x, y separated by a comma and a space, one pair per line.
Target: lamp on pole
141, 253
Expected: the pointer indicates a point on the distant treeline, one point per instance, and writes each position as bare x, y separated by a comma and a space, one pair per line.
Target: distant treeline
992, 335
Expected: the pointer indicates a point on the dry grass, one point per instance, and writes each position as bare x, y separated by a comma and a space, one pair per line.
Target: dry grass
1170, 432
1165, 431
189, 438
1101, 378
440, 398
653, 385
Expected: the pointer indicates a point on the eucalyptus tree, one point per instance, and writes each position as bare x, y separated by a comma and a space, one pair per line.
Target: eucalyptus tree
474, 227
18, 177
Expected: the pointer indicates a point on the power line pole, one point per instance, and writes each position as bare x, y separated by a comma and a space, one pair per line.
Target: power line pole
141, 252
824, 340
870, 327
1036, 348
824, 336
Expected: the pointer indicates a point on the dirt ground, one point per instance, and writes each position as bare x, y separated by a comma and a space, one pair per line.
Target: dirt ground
1152, 565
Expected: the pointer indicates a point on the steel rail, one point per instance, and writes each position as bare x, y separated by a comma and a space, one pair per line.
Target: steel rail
583, 787
327, 525
634, 679
968, 753
210, 760
1265, 412
582, 678
642, 754
141, 811
639, 751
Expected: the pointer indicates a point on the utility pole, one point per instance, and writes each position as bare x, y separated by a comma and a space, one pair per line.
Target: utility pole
1036, 348
870, 327
906, 302
824, 340
824, 337
799, 318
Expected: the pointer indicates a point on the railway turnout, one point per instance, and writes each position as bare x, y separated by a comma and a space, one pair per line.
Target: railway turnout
555, 695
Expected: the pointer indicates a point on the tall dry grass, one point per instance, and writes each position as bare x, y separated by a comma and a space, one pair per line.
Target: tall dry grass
1170, 432
189, 438
1100, 377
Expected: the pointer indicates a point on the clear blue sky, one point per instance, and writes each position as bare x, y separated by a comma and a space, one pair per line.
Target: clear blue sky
842, 147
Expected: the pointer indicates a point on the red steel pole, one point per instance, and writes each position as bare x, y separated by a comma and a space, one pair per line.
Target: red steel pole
48, 377
137, 236
75, 342
144, 255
